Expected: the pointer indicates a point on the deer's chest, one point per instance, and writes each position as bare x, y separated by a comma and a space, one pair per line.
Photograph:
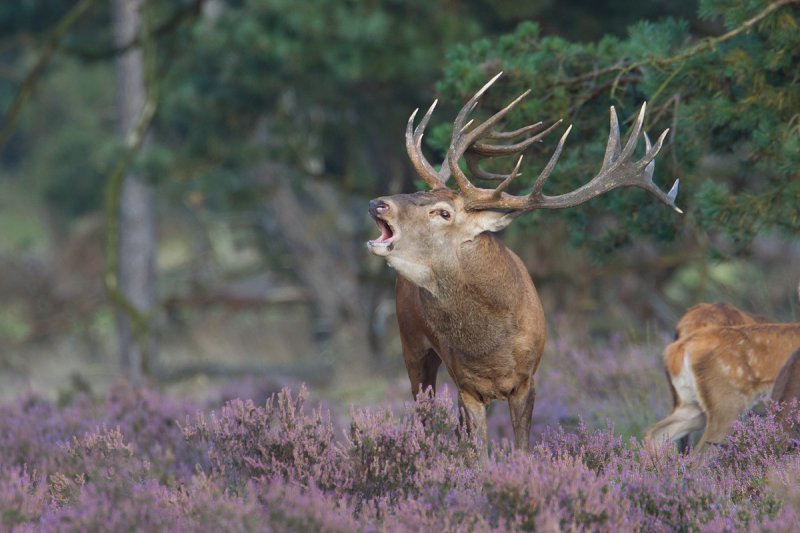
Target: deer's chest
466, 325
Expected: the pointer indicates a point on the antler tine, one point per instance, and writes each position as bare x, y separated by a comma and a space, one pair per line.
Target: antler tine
538, 185
506, 182
505, 135
478, 172
458, 123
618, 170
630, 146
477, 150
649, 161
497, 150
414, 148
464, 140
613, 144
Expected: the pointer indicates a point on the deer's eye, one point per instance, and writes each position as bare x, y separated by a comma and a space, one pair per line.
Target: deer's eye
444, 213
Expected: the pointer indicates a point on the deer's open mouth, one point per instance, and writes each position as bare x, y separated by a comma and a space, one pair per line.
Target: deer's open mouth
388, 234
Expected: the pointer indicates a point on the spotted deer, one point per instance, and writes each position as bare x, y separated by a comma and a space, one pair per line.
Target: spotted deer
717, 373
701, 316
464, 298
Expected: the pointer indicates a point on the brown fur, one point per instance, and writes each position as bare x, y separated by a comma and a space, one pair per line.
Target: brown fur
473, 307
787, 384
716, 314
787, 389
729, 368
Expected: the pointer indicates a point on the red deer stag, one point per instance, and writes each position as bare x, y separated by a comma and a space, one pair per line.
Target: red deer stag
719, 372
462, 296
703, 316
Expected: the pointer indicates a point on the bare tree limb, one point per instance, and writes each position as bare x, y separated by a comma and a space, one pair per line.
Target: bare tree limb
52, 44
176, 19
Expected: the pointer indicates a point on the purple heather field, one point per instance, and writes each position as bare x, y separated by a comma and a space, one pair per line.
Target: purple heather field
258, 460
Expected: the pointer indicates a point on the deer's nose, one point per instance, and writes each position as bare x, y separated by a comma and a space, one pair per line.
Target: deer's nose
378, 207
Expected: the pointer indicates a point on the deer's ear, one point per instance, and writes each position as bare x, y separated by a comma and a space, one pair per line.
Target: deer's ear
491, 220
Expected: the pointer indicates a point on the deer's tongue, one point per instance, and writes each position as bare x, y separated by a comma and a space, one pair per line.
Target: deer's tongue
386, 232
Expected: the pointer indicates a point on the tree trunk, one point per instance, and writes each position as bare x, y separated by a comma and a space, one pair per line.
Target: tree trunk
327, 263
137, 224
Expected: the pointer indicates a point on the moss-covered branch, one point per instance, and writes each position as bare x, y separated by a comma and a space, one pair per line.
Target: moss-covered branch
52, 43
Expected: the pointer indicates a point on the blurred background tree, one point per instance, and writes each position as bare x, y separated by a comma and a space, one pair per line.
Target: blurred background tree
277, 120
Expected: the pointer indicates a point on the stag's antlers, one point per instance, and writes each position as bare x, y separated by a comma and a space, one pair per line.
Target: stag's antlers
618, 169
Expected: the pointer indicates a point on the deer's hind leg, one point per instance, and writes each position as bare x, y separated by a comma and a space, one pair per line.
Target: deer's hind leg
723, 410
684, 419
723, 400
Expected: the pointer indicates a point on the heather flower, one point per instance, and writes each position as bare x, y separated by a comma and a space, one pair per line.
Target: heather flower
531, 492
22, 498
100, 459
122, 463
206, 505
144, 506
293, 508
246, 442
388, 453
597, 449
31, 430
149, 421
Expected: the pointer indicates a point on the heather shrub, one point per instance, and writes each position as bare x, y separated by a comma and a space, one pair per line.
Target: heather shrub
530, 492
783, 480
389, 453
293, 508
245, 442
448, 503
596, 449
757, 441
143, 506
31, 430
670, 492
101, 459
22, 497
123, 464
206, 505
149, 421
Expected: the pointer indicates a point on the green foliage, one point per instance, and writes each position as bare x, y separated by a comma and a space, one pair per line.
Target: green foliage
732, 99
312, 85
325, 87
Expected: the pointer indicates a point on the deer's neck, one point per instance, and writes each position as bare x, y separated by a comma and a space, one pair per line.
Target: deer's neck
474, 297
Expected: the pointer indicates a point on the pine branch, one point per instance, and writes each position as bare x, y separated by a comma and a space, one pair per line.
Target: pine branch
176, 19
702, 46
53, 42
711, 42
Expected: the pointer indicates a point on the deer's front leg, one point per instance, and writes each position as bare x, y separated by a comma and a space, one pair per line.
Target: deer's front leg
422, 365
475, 413
520, 403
